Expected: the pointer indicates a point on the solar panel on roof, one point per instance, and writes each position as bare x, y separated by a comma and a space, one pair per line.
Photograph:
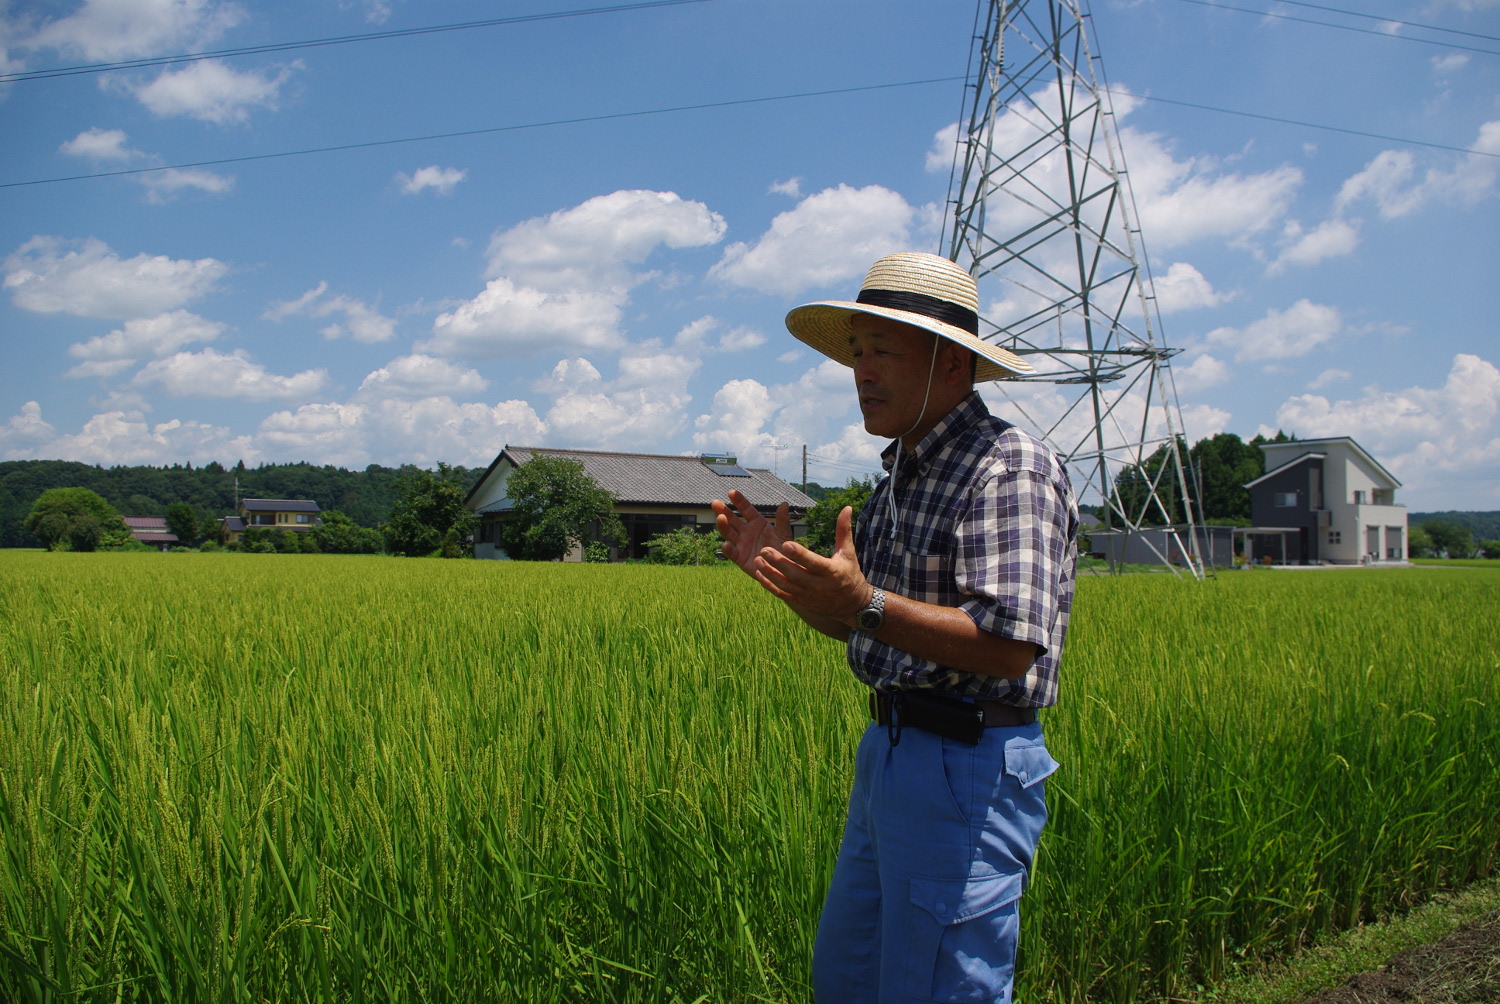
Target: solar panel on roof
728, 470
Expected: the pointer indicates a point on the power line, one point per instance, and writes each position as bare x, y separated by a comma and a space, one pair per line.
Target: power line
1391, 20
250, 50
479, 132
1344, 27
1307, 125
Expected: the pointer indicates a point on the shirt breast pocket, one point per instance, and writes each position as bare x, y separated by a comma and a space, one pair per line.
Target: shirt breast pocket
929, 578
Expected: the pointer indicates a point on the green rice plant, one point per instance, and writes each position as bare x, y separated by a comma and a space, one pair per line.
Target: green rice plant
240, 777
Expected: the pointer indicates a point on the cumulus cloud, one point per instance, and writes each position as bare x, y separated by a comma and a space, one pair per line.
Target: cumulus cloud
828, 237
210, 90
400, 430
101, 30
1327, 377
741, 339
1202, 373
1185, 288
791, 187
1390, 180
210, 374
1451, 63
643, 406
162, 185
421, 376
1442, 442
441, 179
100, 146
1286, 334
361, 322
122, 437
1329, 239
106, 355
562, 280
51, 275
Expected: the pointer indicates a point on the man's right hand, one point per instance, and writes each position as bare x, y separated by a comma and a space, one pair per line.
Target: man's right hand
746, 531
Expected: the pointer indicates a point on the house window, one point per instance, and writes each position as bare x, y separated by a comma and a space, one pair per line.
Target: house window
1360, 497
263, 519
1286, 499
1335, 537
303, 517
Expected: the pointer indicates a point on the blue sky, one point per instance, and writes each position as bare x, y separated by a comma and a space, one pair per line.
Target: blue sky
620, 283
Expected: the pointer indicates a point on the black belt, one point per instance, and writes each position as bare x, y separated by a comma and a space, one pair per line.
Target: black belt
950, 717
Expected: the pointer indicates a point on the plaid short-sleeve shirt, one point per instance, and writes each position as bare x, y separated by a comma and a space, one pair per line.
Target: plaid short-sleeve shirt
984, 520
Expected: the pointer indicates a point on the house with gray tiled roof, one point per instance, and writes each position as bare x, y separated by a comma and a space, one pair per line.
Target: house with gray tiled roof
270, 514
654, 493
151, 530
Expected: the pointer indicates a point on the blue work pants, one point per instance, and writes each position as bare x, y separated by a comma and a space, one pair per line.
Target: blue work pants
923, 905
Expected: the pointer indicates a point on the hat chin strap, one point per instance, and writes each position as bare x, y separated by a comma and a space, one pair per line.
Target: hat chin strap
896, 468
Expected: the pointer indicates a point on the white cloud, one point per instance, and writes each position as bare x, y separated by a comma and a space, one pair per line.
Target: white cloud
123, 437
1443, 442
1329, 239
561, 281
1293, 332
829, 237
789, 356
210, 90
1202, 373
442, 179
51, 275
1185, 288
693, 334
106, 355
421, 376
1389, 180
361, 322
100, 145
1327, 377
421, 431
791, 187
102, 30
639, 409
741, 339
162, 185
1450, 63
944, 142
592, 245
211, 374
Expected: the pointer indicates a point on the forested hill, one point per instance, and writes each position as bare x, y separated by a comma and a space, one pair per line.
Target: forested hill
365, 496
1483, 525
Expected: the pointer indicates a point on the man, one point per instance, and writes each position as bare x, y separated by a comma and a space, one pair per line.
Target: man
952, 595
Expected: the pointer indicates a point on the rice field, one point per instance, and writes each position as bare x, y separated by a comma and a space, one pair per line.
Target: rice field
274, 777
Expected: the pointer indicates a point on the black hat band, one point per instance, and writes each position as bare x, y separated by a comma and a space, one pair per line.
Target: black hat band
920, 303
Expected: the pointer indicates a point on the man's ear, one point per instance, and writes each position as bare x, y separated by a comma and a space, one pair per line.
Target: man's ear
958, 364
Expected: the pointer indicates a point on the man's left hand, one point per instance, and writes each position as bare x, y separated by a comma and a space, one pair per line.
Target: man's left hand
828, 587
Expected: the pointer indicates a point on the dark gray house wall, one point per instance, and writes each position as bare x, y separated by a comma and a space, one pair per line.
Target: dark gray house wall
1304, 480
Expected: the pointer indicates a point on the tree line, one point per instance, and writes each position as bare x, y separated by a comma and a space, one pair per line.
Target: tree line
365, 497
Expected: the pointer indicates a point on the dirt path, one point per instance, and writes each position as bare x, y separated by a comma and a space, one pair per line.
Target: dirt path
1463, 968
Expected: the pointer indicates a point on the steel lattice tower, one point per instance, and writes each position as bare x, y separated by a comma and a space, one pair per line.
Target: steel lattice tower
1044, 219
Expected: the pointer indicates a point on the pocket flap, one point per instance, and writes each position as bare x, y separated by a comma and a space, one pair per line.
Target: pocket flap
953, 901
1028, 761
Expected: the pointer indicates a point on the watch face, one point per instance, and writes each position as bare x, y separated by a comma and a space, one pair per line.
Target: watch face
869, 620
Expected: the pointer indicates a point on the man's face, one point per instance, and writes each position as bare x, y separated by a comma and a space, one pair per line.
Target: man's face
891, 365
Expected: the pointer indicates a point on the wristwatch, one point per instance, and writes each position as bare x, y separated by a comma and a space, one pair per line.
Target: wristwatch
873, 616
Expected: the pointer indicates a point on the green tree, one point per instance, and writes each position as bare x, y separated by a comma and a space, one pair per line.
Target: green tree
431, 506
823, 517
684, 546
338, 534
182, 521
1224, 464
1419, 544
1453, 539
555, 505
75, 518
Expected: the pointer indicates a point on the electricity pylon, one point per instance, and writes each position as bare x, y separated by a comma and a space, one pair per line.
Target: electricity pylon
1044, 219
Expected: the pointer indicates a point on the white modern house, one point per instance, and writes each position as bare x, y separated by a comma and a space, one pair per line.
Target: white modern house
1329, 502
654, 494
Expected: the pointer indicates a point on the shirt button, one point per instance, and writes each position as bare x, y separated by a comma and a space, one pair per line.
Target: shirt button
942, 908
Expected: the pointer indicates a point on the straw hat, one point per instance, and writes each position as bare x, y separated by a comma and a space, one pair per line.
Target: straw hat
924, 290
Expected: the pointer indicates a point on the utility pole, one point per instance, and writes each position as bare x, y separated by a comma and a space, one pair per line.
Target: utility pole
804, 468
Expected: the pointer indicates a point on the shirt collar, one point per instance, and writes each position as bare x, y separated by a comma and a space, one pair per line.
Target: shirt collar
968, 411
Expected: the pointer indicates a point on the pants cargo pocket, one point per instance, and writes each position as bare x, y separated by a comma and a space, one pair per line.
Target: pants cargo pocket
963, 937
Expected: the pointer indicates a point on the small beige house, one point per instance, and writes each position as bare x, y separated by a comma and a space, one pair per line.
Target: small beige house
270, 514
656, 494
